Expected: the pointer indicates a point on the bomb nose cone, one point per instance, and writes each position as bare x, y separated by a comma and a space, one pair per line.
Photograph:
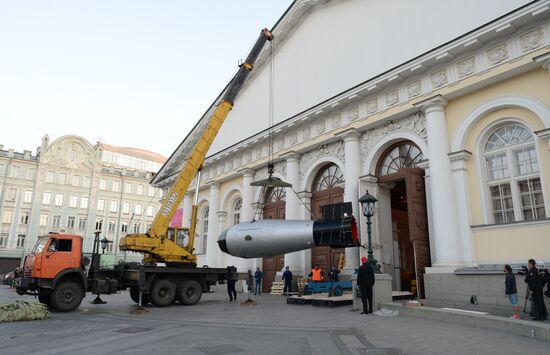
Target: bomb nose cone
222, 243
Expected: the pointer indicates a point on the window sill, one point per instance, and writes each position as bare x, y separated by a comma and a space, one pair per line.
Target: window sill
510, 225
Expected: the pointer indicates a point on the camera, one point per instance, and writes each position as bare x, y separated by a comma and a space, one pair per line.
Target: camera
523, 270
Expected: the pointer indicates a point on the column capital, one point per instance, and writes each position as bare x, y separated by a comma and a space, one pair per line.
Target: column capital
221, 214
188, 194
369, 178
544, 60
290, 156
213, 185
247, 171
434, 103
305, 194
544, 134
350, 134
458, 159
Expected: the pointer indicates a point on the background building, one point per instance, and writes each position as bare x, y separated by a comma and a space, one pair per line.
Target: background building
439, 109
73, 187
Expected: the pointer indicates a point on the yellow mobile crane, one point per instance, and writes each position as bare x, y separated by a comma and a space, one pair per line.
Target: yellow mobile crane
159, 244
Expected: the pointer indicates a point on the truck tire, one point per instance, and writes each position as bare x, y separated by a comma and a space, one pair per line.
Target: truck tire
189, 292
44, 298
66, 296
134, 295
163, 293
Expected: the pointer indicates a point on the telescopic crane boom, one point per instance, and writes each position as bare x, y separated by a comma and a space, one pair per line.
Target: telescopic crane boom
157, 245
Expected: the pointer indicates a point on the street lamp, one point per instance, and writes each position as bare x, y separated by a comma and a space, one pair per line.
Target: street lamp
367, 202
104, 243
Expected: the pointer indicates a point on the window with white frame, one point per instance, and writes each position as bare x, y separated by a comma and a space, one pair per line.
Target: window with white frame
151, 192
140, 190
73, 201
50, 176
46, 198
127, 188
43, 220
100, 204
71, 221
126, 207
112, 225
124, 227
6, 218
31, 174
20, 240
114, 206
150, 211
236, 211
137, 227
25, 218
84, 202
116, 186
138, 208
99, 224
4, 240
512, 174
59, 200
87, 181
62, 178
56, 221
27, 196
11, 195
15, 171
82, 223
103, 184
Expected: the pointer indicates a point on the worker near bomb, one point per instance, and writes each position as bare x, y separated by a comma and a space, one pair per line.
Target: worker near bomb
333, 273
287, 278
317, 274
258, 276
365, 281
511, 290
231, 291
535, 283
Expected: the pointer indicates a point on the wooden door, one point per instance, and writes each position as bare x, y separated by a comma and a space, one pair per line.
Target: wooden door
326, 256
418, 223
272, 264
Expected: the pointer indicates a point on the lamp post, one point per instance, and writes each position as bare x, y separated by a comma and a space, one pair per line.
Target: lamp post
104, 243
368, 202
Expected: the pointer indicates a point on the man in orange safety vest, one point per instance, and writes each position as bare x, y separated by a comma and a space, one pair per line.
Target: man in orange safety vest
317, 274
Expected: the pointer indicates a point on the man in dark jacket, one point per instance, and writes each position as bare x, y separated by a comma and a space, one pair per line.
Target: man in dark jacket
258, 275
231, 280
535, 283
287, 278
511, 290
365, 281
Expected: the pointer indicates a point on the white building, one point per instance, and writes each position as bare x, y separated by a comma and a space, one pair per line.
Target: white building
73, 187
441, 109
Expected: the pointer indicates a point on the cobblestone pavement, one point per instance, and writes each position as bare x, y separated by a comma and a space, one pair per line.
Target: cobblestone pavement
217, 326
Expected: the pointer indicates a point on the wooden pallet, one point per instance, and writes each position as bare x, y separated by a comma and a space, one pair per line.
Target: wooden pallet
305, 299
322, 300
277, 288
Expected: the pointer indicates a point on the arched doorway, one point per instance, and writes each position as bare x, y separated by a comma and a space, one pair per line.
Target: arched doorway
274, 208
326, 189
398, 171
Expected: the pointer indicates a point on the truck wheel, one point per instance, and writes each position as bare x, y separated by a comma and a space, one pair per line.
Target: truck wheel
162, 293
66, 296
189, 292
45, 299
134, 295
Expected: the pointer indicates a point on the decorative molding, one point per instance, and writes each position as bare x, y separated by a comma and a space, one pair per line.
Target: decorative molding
531, 40
439, 78
353, 113
392, 98
372, 106
335, 149
498, 54
336, 121
544, 134
466, 67
414, 89
321, 127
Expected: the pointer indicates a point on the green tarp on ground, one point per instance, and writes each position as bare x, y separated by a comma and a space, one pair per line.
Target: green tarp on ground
23, 310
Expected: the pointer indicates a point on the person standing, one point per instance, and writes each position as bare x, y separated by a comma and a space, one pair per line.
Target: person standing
365, 281
317, 274
535, 283
287, 278
511, 290
231, 291
258, 276
249, 283
333, 274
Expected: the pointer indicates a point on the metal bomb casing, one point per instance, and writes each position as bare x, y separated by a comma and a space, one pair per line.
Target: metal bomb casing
272, 237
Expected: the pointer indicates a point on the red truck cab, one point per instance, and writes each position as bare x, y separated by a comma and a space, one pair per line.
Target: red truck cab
54, 271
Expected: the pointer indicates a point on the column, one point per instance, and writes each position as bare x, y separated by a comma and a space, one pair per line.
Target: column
248, 196
424, 164
304, 214
352, 169
187, 208
458, 166
212, 250
448, 248
223, 259
292, 205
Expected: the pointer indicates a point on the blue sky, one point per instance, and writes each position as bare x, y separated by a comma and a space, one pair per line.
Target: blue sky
129, 73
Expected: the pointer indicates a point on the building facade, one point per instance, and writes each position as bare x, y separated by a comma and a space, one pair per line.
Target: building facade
71, 186
441, 112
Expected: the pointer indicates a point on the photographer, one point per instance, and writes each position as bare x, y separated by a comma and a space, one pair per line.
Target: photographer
535, 282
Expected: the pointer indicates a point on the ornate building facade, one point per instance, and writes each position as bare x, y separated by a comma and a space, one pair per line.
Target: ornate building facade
71, 186
444, 118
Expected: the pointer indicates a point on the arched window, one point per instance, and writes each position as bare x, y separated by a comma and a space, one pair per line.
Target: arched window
236, 211
404, 155
275, 195
330, 176
203, 232
512, 174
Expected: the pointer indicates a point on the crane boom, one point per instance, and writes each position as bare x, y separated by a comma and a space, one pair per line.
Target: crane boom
156, 244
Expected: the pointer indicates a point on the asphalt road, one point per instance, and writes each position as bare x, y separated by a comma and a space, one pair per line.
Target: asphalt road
217, 326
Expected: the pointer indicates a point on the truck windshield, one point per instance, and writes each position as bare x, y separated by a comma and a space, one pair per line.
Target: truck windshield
40, 245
